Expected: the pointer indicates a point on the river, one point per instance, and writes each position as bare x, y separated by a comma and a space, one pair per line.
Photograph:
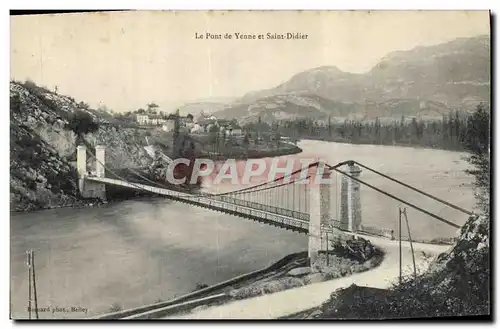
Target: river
138, 252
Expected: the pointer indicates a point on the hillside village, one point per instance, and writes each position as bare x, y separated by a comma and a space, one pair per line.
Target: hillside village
203, 124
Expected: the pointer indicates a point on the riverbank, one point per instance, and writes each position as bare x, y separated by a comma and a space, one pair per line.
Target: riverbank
338, 139
348, 256
252, 154
286, 303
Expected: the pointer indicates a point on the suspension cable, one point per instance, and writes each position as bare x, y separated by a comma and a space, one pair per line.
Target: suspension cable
398, 199
118, 176
416, 189
265, 188
273, 181
208, 195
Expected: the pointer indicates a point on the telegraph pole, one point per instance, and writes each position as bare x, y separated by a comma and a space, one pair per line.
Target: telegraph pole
411, 243
34, 282
28, 263
400, 249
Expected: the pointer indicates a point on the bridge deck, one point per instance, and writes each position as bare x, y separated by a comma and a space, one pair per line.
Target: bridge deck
286, 221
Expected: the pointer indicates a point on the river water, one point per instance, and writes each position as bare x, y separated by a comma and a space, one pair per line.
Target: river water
137, 252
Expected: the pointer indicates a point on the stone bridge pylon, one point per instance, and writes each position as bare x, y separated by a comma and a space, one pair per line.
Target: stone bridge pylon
88, 188
323, 211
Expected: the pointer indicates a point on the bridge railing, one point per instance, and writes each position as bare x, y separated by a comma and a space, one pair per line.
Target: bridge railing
260, 206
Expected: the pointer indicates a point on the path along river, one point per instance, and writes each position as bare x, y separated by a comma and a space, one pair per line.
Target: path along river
138, 252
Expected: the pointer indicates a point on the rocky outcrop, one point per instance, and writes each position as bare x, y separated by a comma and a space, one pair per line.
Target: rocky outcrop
43, 150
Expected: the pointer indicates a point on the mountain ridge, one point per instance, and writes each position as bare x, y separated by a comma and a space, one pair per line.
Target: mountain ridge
430, 79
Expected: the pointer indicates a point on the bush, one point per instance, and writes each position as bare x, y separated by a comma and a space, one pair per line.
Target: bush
269, 287
81, 122
200, 286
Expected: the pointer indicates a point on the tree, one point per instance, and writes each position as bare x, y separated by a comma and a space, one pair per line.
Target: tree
477, 142
224, 136
152, 107
177, 126
246, 141
81, 123
83, 106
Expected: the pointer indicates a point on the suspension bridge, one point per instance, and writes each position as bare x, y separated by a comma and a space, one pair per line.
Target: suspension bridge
289, 204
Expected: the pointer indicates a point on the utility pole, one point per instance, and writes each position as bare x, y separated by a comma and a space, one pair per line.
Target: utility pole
411, 243
400, 250
28, 263
34, 282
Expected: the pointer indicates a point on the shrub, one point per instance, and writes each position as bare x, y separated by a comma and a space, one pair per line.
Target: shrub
81, 122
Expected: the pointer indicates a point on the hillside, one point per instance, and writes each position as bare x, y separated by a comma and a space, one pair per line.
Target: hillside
425, 81
42, 149
456, 284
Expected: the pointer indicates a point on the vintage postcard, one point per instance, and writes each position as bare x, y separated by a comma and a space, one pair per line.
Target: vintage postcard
250, 165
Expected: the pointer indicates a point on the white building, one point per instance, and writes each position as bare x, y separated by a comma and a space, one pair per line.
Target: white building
142, 119
236, 131
152, 120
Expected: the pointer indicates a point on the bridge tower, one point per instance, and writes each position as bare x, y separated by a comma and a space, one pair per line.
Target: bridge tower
87, 188
350, 200
319, 211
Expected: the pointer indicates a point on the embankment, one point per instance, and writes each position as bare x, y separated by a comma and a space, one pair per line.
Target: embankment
290, 272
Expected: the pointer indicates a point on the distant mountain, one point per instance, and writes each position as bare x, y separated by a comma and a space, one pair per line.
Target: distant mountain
425, 81
195, 108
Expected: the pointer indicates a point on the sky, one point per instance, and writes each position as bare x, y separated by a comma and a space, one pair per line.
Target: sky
125, 60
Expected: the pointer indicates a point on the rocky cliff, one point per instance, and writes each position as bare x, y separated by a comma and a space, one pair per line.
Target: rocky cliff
42, 149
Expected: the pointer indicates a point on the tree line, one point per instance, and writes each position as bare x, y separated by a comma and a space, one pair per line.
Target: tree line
449, 133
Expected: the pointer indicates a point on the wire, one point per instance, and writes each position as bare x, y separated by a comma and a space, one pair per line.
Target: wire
267, 188
275, 180
398, 199
252, 188
416, 189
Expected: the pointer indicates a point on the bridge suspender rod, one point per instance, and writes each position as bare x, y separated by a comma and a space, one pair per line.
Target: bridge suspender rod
146, 179
416, 189
262, 189
398, 199
273, 181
